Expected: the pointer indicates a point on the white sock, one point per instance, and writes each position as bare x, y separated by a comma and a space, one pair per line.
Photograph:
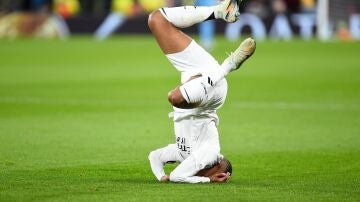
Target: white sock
227, 66
214, 75
187, 16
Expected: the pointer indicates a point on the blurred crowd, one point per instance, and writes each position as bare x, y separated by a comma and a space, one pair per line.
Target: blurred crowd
49, 18
95, 7
75, 7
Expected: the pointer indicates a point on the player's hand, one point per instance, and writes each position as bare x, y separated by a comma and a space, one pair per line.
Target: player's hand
220, 177
165, 178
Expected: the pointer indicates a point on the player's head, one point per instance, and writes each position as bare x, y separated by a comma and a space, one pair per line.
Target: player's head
224, 166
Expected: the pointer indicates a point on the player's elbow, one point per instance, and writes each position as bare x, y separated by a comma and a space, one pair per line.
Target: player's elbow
152, 156
156, 21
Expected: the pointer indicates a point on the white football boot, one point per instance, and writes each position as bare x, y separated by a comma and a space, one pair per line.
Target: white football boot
228, 10
241, 54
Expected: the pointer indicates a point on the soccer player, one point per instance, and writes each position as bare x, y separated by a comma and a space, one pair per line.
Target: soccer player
202, 91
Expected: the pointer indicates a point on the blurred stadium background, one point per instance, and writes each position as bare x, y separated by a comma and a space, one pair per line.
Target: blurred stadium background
83, 90
278, 19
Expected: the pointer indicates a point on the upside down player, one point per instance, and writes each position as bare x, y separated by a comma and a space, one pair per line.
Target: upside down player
202, 92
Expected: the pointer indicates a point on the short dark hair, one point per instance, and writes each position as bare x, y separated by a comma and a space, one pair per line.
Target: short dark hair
228, 166
224, 166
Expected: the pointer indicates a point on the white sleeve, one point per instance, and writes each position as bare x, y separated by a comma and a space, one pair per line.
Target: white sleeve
159, 157
192, 180
157, 166
185, 172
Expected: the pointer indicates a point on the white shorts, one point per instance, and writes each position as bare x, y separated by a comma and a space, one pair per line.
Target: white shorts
193, 60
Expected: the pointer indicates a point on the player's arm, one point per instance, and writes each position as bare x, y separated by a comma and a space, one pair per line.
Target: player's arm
158, 158
192, 179
220, 177
217, 177
157, 165
219, 172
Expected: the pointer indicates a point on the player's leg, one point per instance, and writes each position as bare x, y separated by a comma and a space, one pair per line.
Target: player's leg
193, 92
164, 23
169, 38
158, 158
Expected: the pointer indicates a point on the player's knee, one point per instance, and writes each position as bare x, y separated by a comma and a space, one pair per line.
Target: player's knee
155, 19
152, 19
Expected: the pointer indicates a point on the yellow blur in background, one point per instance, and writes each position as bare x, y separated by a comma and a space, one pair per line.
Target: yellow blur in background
151, 5
128, 7
67, 8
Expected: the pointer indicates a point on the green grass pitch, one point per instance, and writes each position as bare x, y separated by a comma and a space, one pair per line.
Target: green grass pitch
78, 119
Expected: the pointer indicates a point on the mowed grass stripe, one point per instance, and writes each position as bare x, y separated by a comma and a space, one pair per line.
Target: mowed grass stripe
150, 103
